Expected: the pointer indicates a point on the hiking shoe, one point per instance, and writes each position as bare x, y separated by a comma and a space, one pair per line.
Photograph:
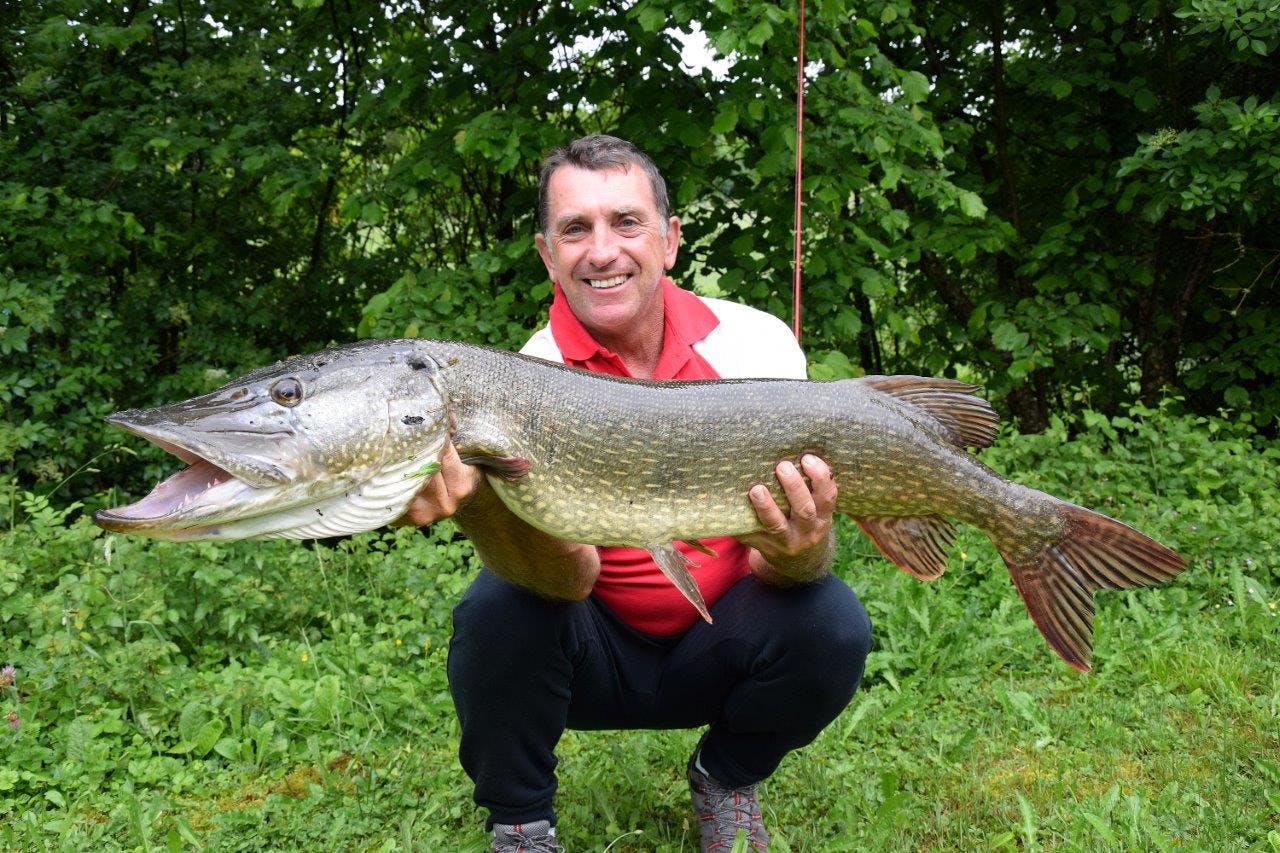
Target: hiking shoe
536, 837
722, 811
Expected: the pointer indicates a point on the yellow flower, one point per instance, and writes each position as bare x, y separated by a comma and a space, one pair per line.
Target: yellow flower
399, 642
305, 657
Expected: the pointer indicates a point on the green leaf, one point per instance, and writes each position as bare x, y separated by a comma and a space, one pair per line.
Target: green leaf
228, 747
1005, 336
208, 735
915, 86
652, 18
726, 119
1145, 100
1236, 397
971, 203
760, 33
1060, 89
1101, 827
193, 717
1021, 367
425, 471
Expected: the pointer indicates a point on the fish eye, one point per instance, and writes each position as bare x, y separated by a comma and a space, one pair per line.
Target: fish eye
287, 392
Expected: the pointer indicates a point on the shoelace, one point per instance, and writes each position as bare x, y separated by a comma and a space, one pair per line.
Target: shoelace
519, 842
727, 811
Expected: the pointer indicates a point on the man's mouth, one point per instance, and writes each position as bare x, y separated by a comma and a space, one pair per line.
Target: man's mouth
607, 283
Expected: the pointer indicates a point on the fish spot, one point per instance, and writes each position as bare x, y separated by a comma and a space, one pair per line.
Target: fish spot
412, 420
417, 364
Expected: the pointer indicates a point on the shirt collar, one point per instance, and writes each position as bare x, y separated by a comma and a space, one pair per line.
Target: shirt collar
686, 320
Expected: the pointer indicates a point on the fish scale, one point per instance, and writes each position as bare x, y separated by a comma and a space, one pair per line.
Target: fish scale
609, 461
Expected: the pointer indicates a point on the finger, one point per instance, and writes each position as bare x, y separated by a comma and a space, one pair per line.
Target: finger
797, 492
460, 479
771, 517
450, 473
822, 484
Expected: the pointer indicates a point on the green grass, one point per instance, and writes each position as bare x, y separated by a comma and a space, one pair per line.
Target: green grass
278, 695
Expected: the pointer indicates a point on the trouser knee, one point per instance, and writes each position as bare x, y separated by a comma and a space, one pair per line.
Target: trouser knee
500, 627
832, 642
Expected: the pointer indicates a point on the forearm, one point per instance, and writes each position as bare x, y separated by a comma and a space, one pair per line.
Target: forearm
788, 570
523, 554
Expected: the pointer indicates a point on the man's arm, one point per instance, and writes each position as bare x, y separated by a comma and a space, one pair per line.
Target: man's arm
797, 548
508, 545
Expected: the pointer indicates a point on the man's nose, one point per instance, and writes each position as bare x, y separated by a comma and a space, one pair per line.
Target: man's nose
604, 248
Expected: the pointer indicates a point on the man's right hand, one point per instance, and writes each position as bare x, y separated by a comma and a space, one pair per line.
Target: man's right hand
445, 492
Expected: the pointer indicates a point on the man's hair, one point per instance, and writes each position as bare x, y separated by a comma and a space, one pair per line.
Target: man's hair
598, 153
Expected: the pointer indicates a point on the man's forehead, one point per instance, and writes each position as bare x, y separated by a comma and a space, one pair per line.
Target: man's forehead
575, 191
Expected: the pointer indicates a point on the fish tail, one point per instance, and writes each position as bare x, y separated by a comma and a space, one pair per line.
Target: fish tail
1058, 579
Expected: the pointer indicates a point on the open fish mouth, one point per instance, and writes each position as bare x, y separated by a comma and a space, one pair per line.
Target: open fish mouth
184, 502
200, 485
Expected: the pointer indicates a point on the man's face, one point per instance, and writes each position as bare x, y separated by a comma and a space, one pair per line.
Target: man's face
608, 248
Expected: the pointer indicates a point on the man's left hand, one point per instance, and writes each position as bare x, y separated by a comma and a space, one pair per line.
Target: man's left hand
798, 547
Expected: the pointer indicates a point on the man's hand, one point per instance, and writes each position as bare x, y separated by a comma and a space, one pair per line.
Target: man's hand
799, 547
444, 492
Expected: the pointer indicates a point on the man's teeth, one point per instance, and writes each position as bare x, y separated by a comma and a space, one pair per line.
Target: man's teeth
604, 283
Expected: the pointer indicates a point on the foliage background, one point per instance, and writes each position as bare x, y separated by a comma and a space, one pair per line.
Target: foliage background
1072, 204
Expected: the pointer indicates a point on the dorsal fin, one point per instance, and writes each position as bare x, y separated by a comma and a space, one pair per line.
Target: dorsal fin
969, 420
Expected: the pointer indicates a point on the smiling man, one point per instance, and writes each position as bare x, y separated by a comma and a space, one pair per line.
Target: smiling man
555, 635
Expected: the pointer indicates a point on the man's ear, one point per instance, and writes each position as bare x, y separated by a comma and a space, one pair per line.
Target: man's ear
673, 242
544, 252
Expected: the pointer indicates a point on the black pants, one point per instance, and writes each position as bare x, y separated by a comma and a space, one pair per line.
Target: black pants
776, 667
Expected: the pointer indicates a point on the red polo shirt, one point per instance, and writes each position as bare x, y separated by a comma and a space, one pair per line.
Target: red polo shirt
630, 583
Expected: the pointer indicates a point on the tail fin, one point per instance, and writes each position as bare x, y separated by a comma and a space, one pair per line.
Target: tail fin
1094, 551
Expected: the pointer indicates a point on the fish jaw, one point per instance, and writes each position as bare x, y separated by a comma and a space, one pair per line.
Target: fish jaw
191, 442
203, 501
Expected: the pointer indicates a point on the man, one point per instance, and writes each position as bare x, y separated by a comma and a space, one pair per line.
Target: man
558, 634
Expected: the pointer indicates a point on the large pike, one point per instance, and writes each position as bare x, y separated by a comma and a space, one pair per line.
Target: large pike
339, 441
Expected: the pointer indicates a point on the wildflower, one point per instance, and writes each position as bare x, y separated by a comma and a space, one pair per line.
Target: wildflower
399, 642
305, 657
14, 722
8, 675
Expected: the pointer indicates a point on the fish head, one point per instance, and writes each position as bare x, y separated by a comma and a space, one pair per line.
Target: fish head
314, 446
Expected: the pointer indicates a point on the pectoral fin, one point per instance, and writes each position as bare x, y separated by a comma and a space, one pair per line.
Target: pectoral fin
916, 545
509, 468
676, 567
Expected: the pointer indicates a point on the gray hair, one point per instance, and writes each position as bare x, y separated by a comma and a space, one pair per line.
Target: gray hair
598, 153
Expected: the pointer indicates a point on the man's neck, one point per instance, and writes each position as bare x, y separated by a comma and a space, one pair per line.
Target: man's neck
640, 351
